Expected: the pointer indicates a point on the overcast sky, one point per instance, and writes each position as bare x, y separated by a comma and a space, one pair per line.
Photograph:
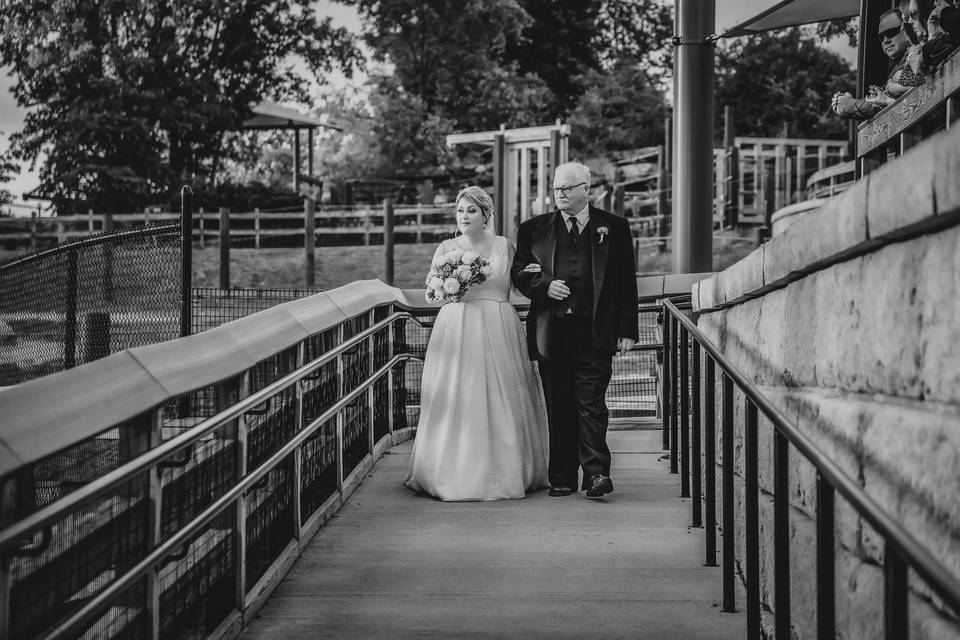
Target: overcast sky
729, 13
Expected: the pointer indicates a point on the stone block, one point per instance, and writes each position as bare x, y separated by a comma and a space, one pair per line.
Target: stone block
826, 235
901, 192
744, 278
937, 294
946, 167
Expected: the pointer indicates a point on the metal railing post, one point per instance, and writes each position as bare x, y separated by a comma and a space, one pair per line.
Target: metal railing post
665, 377
341, 391
391, 380
826, 601
240, 507
298, 452
710, 461
896, 596
726, 460
674, 426
371, 397
696, 488
752, 521
684, 413
781, 532
153, 531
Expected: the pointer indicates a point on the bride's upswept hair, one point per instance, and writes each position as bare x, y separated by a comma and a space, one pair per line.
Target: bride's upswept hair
479, 197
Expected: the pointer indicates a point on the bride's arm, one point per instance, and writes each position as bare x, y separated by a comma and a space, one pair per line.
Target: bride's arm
441, 249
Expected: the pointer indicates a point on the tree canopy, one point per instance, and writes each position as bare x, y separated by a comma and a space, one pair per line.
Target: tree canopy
127, 98
780, 83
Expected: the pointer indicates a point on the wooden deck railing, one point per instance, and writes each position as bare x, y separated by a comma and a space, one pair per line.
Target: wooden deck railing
915, 115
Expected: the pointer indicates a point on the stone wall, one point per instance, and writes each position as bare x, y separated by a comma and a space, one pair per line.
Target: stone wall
850, 322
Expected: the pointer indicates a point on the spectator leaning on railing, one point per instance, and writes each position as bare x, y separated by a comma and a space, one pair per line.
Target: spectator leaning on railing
943, 36
897, 36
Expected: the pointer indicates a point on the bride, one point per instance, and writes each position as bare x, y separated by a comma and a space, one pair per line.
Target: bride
482, 433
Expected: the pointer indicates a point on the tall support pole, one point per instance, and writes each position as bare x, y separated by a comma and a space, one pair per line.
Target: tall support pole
388, 241
186, 259
693, 163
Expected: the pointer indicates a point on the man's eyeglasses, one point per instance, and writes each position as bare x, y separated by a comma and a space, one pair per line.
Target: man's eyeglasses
566, 190
890, 34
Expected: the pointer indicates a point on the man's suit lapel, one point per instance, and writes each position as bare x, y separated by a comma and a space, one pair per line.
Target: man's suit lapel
600, 254
544, 242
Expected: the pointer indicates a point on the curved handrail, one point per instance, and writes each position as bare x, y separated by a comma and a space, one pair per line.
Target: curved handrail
923, 562
123, 473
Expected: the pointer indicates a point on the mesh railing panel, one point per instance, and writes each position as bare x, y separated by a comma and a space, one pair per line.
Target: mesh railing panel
269, 506
81, 301
318, 469
76, 558
197, 590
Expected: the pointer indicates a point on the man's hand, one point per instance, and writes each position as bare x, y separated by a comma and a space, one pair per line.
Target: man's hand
558, 290
625, 345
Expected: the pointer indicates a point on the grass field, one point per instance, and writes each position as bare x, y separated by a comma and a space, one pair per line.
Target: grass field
336, 266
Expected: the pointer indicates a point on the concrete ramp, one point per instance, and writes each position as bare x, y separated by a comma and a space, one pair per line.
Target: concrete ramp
392, 564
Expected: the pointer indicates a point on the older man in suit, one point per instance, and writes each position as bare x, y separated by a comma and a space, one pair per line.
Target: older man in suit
577, 267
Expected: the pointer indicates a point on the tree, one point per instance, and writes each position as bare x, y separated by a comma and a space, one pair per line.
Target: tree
639, 31
779, 84
621, 109
128, 98
452, 57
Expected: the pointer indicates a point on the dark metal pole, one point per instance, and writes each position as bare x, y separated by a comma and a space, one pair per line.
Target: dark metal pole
684, 413
781, 532
726, 460
70, 313
309, 242
665, 377
896, 596
186, 260
710, 461
388, 241
752, 518
674, 421
500, 177
224, 248
697, 497
826, 601
693, 111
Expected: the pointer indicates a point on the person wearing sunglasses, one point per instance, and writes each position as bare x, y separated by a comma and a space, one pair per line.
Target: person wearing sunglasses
896, 37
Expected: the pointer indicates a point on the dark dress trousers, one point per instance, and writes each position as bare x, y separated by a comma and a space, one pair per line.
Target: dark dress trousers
574, 340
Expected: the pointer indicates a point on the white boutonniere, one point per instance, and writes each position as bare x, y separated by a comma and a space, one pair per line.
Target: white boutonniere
603, 231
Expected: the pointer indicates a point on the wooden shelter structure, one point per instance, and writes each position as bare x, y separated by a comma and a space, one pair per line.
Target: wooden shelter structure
523, 162
272, 116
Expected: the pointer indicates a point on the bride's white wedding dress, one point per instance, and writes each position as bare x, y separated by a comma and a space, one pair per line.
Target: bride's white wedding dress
482, 433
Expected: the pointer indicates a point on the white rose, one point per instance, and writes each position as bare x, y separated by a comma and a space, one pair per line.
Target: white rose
451, 286
454, 256
463, 275
469, 257
436, 283
486, 270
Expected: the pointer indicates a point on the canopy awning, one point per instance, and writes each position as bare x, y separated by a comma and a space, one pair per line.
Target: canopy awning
793, 13
270, 115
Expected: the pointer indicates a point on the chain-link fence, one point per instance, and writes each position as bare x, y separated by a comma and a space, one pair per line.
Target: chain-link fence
80, 301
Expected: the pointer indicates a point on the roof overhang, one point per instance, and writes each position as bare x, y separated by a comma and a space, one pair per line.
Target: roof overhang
270, 115
793, 13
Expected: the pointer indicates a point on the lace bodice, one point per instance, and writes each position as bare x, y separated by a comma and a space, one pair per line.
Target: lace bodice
497, 286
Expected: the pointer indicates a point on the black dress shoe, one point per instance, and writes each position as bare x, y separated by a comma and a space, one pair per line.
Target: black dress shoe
559, 492
600, 485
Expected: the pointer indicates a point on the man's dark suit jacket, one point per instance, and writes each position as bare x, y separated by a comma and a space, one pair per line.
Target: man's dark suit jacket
614, 279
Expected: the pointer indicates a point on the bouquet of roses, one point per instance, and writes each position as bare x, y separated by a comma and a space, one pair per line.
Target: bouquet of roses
452, 273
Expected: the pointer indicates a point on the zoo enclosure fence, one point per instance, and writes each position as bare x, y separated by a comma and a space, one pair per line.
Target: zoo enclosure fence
85, 299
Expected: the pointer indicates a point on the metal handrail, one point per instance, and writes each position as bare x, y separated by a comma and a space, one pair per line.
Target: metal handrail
178, 539
898, 539
17, 531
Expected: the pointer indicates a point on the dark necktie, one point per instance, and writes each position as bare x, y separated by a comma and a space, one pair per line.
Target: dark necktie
574, 231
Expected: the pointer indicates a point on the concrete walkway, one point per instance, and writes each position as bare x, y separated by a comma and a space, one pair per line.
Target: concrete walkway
393, 564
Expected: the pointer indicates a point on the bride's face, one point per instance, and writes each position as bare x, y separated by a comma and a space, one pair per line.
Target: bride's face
469, 217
